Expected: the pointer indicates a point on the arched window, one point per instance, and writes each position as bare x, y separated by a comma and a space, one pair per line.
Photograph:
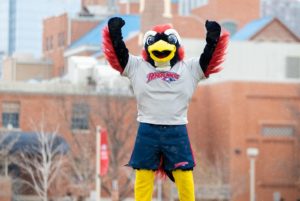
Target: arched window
230, 26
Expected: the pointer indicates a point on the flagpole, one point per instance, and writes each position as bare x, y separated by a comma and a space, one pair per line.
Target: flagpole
98, 165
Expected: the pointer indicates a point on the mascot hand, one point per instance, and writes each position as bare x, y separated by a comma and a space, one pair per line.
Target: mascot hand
213, 32
115, 24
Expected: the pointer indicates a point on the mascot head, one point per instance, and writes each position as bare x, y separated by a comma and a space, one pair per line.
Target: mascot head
162, 47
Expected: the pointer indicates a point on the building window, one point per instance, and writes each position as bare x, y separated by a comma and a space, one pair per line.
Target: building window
80, 116
61, 39
230, 26
278, 130
10, 115
293, 67
49, 43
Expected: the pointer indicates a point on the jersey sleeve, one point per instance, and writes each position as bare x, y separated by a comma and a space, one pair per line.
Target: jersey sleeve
132, 66
195, 69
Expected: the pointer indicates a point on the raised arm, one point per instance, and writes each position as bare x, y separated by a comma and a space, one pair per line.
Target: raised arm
214, 51
114, 48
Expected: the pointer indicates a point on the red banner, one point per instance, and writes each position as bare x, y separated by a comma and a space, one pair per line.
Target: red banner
104, 157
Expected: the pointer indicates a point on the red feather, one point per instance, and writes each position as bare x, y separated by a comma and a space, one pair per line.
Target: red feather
109, 51
144, 55
218, 55
161, 172
180, 53
162, 28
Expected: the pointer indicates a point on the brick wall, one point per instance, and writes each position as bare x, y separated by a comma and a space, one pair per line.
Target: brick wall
241, 12
55, 29
275, 31
93, 2
132, 8
61, 33
81, 27
232, 115
224, 120
193, 26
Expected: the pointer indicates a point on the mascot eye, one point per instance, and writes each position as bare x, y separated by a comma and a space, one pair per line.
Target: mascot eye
150, 40
172, 39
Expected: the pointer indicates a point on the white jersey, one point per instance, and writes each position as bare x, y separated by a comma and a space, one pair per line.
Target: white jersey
163, 97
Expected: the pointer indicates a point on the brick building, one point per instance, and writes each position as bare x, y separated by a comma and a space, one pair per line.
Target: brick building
190, 25
93, 2
24, 68
75, 111
266, 29
228, 117
59, 32
225, 119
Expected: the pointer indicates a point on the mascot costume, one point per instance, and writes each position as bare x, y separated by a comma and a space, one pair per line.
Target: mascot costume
163, 84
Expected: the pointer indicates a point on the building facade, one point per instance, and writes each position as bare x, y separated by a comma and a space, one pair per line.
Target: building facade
288, 11
61, 31
26, 68
227, 118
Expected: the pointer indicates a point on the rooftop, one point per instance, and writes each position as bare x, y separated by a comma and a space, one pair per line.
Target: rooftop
252, 28
94, 37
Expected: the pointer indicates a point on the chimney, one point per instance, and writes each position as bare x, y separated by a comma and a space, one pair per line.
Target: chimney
154, 12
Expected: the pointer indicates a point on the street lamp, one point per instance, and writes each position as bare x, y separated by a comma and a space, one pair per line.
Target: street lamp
252, 154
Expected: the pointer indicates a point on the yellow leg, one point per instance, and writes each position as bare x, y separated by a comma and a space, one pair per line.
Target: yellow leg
185, 184
144, 183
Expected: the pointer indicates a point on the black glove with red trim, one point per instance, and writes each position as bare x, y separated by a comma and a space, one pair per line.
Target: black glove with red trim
213, 32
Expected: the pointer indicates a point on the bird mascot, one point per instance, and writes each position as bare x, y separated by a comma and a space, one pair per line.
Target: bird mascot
163, 84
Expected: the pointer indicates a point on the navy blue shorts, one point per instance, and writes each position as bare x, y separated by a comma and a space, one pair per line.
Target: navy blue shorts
170, 142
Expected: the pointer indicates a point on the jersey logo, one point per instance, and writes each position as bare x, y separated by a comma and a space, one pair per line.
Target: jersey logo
165, 76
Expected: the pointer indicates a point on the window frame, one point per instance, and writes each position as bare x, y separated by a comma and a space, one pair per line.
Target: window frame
10, 114
80, 117
292, 74
276, 130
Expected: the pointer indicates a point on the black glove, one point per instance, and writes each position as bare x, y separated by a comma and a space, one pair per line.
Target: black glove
212, 38
213, 32
115, 24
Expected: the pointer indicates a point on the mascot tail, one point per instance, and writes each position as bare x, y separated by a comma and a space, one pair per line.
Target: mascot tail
162, 173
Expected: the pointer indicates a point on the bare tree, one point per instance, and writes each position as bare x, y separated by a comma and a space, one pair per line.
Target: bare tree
81, 156
42, 162
293, 107
113, 109
212, 178
118, 114
6, 145
82, 164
